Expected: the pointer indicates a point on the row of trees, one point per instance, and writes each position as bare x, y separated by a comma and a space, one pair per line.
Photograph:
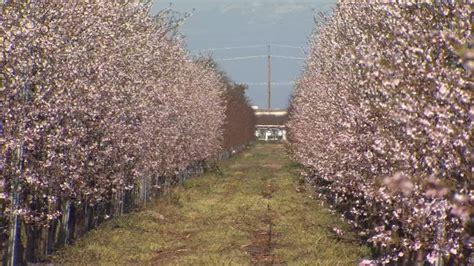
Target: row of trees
240, 117
383, 120
97, 95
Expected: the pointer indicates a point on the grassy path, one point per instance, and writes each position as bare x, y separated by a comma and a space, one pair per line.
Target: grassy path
255, 210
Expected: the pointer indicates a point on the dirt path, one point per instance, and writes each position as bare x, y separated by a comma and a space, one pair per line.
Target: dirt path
255, 210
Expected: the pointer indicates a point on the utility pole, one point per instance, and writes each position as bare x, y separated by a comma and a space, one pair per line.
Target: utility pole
269, 79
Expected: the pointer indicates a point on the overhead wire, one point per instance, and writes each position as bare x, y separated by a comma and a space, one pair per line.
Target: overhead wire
288, 57
258, 56
281, 83
229, 48
247, 47
289, 46
240, 58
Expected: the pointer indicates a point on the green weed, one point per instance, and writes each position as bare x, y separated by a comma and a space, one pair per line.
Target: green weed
212, 220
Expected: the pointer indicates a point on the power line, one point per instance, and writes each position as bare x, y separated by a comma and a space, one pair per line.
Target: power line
230, 48
269, 82
288, 57
239, 58
289, 46
248, 46
281, 83
259, 56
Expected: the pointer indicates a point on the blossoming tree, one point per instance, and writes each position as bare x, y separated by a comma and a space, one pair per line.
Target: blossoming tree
382, 120
96, 98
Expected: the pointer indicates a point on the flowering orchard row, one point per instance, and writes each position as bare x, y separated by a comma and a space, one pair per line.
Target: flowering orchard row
240, 117
95, 96
383, 120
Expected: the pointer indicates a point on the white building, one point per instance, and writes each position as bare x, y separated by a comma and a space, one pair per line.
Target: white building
271, 124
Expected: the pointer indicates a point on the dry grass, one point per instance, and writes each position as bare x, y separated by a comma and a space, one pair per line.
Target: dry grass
249, 213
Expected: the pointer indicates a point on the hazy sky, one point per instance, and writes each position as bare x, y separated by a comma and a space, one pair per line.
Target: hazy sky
235, 23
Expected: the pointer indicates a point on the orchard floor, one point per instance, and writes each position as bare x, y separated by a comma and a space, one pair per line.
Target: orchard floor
254, 209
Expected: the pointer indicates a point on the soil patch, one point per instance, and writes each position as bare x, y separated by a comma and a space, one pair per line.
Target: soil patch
261, 249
